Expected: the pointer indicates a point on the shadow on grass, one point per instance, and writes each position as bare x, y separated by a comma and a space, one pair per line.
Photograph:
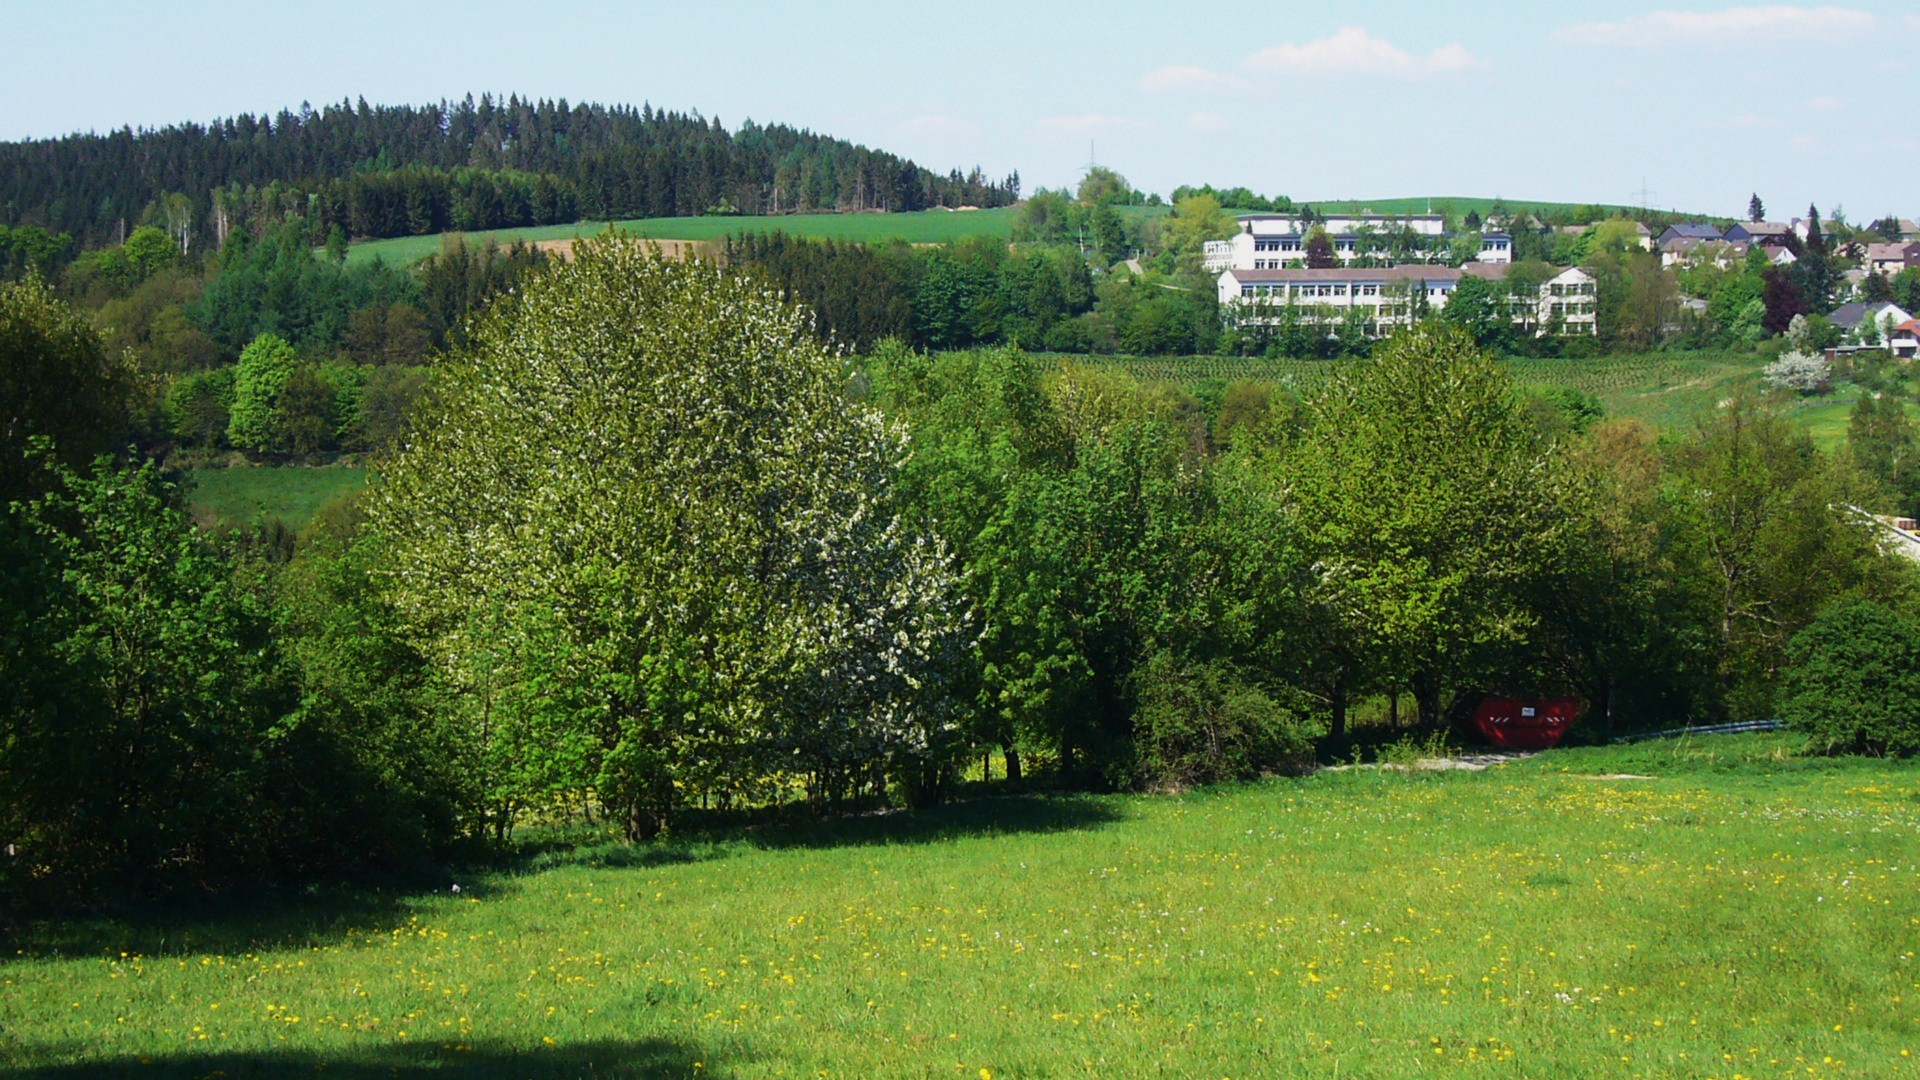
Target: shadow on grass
613, 1058
240, 922
267, 920
789, 828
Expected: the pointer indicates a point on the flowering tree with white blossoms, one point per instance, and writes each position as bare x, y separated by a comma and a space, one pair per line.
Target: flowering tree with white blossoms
653, 550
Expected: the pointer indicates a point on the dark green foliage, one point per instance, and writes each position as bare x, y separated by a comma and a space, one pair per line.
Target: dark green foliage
1759, 537
456, 285
393, 785
402, 170
1852, 679
57, 381
199, 408
140, 689
275, 286
1198, 723
29, 249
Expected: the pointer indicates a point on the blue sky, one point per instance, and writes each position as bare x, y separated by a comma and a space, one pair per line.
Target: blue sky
1582, 102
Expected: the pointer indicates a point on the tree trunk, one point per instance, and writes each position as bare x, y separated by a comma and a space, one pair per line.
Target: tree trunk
1013, 761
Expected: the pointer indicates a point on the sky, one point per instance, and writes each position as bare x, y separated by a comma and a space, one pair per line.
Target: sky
1680, 106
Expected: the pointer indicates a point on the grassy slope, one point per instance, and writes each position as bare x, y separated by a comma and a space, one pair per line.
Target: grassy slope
923, 227
1666, 390
292, 494
1736, 913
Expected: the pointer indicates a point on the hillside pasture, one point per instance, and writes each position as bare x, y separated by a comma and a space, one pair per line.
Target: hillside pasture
1710, 908
919, 227
291, 494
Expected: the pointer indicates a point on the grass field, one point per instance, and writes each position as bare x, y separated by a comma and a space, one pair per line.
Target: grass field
1709, 909
921, 227
291, 494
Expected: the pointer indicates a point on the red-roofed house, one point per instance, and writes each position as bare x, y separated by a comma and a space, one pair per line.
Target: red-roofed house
1904, 340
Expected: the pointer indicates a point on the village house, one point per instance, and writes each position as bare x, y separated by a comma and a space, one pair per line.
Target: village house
1869, 323
1904, 340
1890, 259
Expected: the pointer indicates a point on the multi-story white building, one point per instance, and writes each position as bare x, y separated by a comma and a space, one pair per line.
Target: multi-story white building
1279, 241
1394, 295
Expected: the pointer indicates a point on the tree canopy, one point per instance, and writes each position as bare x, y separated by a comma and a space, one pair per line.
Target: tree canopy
651, 546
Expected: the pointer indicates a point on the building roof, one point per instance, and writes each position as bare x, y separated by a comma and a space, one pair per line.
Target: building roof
1907, 253
1766, 228
1851, 315
1692, 232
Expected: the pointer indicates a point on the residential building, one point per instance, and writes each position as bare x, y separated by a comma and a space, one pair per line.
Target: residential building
1904, 339
1393, 295
1276, 241
1691, 232
1890, 259
1855, 318
1770, 234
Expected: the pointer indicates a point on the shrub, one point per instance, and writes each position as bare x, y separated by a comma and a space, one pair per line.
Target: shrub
1200, 722
1801, 372
1852, 680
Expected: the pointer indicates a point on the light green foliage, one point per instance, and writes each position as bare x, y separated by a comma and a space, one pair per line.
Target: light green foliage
1196, 219
266, 367
56, 381
1433, 510
1853, 679
646, 521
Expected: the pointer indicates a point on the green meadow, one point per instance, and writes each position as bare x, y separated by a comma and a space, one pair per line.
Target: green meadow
291, 494
919, 227
1712, 908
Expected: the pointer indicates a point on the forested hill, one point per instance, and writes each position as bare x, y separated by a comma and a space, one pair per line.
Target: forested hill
376, 171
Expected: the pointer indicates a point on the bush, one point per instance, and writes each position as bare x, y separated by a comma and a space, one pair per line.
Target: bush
199, 407
1800, 372
1852, 680
1201, 722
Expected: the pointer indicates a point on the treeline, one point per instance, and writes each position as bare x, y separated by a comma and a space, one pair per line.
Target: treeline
1115, 585
410, 170
980, 291
361, 337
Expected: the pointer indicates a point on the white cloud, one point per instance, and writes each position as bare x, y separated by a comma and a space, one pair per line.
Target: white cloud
1730, 26
1085, 123
1351, 50
1205, 122
935, 124
1899, 142
1823, 103
1803, 142
1187, 77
